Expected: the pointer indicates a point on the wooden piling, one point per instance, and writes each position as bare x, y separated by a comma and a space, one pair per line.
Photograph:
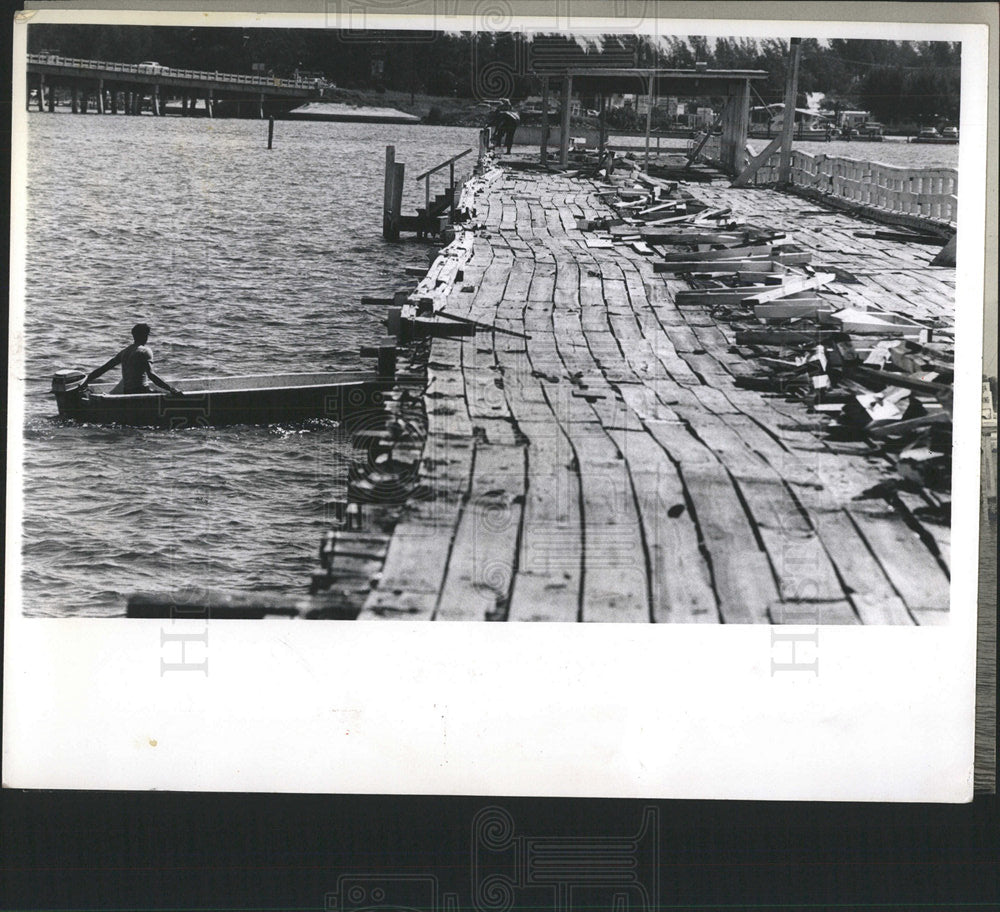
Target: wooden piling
393, 195
100, 96
209, 103
41, 91
75, 99
270, 131
51, 98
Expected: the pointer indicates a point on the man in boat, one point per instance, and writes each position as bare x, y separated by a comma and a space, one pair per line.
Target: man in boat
504, 122
137, 364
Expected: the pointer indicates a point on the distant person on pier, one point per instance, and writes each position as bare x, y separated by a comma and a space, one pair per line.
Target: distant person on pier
504, 121
137, 364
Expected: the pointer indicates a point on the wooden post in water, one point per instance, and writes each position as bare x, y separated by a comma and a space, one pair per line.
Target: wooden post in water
260, 106
75, 99
543, 152
393, 199
41, 91
270, 131
155, 100
209, 98
788, 124
390, 160
100, 96
52, 98
397, 197
567, 94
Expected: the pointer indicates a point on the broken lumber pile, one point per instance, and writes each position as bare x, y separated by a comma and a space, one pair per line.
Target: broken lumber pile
869, 374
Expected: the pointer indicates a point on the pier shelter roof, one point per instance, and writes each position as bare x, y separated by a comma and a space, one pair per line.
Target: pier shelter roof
733, 85
664, 81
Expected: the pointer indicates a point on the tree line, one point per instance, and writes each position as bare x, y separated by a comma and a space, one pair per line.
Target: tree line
897, 81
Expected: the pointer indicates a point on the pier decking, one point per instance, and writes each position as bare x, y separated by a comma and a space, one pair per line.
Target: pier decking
610, 468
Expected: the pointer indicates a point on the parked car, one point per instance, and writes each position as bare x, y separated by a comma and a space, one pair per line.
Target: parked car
950, 132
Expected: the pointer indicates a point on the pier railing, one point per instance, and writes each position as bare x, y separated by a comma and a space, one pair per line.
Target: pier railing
426, 178
924, 193
928, 193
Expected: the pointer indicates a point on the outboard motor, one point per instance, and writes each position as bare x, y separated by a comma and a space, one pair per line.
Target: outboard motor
68, 386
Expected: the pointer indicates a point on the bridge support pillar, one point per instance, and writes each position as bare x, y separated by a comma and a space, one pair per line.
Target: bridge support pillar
260, 106
114, 99
100, 96
155, 101
52, 98
41, 91
75, 99
84, 98
209, 99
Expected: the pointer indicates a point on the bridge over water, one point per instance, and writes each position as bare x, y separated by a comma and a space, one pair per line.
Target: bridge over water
107, 87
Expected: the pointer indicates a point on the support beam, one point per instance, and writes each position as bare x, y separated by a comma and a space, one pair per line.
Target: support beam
788, 123
567, 94
100, 96
543, 152
740, 125
602, 127
649, 119
754, 166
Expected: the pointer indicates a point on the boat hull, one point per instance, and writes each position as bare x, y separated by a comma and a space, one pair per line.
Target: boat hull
216, 402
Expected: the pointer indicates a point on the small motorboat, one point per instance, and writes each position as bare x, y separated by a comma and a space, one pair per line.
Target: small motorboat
213, 401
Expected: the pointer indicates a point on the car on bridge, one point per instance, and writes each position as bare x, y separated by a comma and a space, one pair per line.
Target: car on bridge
150, 66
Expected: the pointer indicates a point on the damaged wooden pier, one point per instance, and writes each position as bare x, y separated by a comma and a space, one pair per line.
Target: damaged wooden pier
611, 453
624, 399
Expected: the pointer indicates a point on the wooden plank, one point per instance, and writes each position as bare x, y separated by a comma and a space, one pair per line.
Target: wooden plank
480, 569
905, 559
550, 562
615, 571
791, 286
680, 580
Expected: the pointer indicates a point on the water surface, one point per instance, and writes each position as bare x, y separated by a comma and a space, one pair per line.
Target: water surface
243, 260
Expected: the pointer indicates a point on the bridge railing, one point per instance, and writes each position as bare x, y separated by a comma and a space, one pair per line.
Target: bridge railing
139, 69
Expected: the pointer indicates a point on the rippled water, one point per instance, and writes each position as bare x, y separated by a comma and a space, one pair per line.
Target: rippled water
244, 261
